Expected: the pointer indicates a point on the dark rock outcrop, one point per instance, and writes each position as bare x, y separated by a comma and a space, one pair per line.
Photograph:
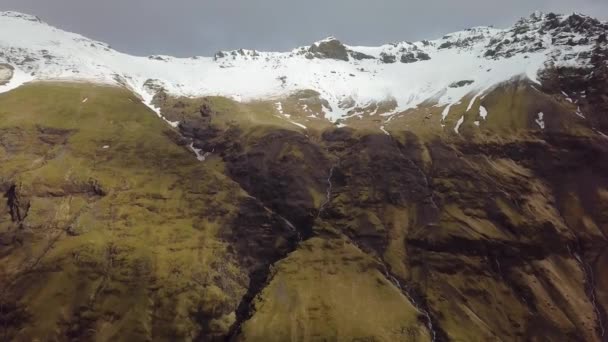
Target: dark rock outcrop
330, 48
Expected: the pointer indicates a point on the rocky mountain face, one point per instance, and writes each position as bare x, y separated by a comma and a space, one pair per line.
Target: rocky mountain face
466, 207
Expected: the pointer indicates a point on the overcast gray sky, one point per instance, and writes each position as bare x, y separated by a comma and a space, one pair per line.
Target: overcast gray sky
202, 27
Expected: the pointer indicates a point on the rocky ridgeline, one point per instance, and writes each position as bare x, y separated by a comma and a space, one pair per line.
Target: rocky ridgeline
536, 33
11, 14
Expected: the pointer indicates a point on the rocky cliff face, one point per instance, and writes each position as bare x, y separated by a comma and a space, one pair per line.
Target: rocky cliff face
496, 236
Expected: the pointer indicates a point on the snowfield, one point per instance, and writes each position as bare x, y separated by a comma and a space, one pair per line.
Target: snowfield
39, 51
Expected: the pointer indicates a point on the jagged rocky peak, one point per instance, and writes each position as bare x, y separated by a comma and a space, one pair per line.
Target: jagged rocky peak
543, 30
328, 48
557, 23
336, 70
237, 54
28, 17
162, 58
465, 39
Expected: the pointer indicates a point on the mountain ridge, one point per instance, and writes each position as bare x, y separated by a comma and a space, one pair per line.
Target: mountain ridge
347, 77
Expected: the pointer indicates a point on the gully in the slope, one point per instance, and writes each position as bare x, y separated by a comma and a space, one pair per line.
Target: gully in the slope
328, 191
417, 306
258, 280
590, 287
436, 335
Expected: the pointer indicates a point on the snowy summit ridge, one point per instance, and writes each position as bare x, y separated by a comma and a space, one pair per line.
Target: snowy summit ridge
441, 71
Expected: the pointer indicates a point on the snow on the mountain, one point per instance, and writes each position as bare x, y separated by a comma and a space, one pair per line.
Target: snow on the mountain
279, 107
198, 152
19, 78
457, 127
579, 113
298, 124
483, 112
446, 111
540, 120
85, 100
41, 52
147, 98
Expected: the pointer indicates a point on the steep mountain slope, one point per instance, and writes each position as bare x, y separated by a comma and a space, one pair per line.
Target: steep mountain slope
443, 190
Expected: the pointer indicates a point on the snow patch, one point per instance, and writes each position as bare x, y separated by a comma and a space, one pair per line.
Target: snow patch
540, 120
298, 124
445, 112
384, 130
85, 100
279, 107
19, 78
475, 98
198, 152
245, 77
460, 121
483, 112
147, 100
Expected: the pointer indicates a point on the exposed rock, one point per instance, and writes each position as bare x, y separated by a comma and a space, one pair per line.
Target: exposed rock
18, 205
423, 56
387, 58
461, 84
446, 45
219, 55
153, 86
6, 73
359, 55
157, 58
330, 48
408, 58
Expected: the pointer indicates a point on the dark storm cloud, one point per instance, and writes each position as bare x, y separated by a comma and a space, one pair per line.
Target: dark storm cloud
201, 27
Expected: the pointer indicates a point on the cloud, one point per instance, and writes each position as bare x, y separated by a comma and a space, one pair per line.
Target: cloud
202, 27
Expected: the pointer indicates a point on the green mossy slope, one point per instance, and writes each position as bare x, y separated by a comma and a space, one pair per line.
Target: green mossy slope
118, 233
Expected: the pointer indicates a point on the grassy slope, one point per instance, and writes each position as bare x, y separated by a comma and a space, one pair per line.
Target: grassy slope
123, 232
331, 290
492, 198
129, 264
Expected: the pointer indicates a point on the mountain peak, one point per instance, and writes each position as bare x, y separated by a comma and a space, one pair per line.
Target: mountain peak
19, 15
326, 40
329, 48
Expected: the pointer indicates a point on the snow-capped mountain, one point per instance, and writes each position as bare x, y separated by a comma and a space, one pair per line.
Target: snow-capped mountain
461, 182
441, 71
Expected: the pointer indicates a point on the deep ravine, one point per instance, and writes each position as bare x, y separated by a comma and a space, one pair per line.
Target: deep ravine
258, 280
328, 191
590, 287
435, 335
417, 306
